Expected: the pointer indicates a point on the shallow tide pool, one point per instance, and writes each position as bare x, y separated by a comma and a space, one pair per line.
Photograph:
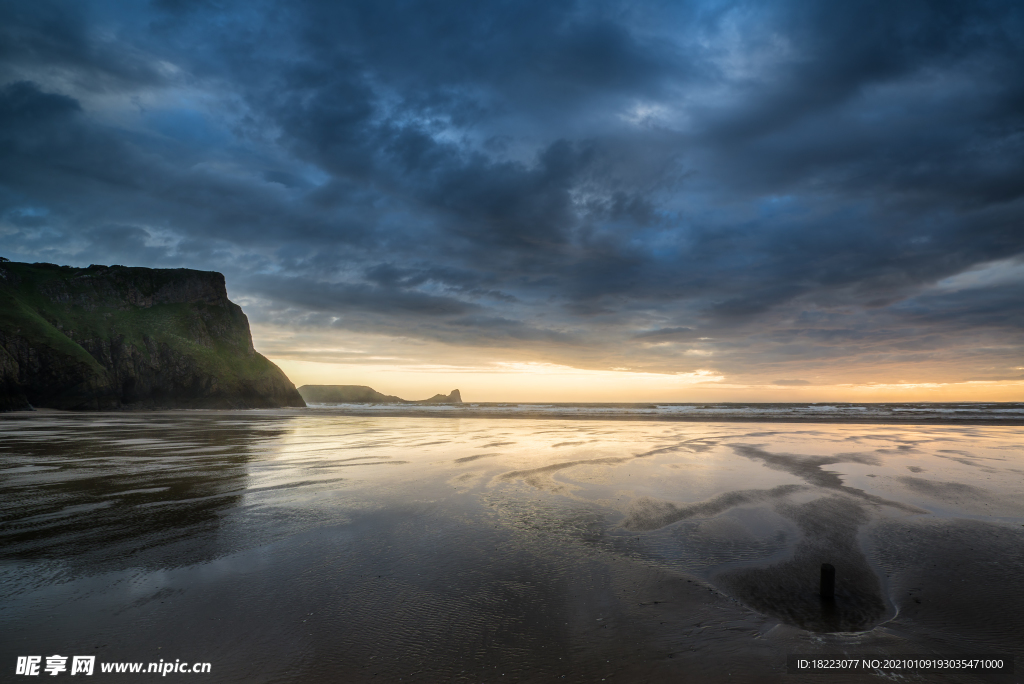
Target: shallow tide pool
314, 546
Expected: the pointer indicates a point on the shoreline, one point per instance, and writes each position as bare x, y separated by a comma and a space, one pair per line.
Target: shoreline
663, 418
567, 414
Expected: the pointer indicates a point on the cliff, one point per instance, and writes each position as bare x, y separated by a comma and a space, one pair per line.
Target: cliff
345, 394
116, 337
361, 394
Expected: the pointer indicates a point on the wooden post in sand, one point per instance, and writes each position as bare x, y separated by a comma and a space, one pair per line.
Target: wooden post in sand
828, 582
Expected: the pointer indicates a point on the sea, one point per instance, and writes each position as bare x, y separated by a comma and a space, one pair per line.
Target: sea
1004, 413
514, 543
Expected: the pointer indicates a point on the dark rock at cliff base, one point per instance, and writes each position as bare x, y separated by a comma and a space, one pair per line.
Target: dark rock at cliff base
361, 394
116, 337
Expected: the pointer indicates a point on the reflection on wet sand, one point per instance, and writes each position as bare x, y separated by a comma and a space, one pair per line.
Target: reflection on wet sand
88, 491
295, 546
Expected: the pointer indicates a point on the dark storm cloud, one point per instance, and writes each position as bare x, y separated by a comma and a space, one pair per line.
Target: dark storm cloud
861, 44
51, 37
23, 106
634, 177
339, 298
997, 306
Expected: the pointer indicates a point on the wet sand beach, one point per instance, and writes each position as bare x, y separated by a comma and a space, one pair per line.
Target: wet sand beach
287, 546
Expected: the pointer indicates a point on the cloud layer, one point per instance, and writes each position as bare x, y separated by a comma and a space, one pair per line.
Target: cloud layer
789, 193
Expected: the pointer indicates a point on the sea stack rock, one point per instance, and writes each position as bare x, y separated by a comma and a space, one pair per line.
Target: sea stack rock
112, 337
453, 398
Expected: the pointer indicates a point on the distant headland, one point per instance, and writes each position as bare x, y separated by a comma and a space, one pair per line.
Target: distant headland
114, 337
361, 394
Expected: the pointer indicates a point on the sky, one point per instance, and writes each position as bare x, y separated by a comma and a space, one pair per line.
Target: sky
548, 200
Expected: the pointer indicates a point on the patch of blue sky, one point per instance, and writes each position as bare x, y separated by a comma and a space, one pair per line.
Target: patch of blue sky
27, 216
314, 174
660, 243
774, 205
188, 126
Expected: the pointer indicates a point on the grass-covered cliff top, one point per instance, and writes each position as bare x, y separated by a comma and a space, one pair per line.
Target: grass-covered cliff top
55, 305
141, 333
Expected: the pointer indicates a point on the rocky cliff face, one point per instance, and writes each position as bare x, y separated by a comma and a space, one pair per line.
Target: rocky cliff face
116, 337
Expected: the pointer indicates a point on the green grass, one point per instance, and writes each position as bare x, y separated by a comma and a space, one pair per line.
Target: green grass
98, 309
20, 319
